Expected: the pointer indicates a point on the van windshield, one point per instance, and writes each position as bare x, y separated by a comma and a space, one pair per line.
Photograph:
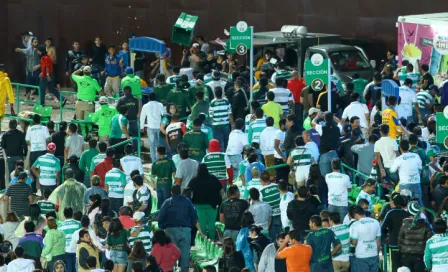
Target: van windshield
349, 61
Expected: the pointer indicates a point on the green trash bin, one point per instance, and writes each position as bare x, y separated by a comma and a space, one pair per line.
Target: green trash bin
183, 29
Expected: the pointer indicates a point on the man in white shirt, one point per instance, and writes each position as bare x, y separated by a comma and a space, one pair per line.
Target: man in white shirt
341, 262
368, 188
261, 211
74, 143
130, 162
216, 82
267, 138
152, 112
408, 99
285, 198
280, 152
37, 137
235, 146
408, 165
312, 146
387, 149
365, 236
356, 108
338, 187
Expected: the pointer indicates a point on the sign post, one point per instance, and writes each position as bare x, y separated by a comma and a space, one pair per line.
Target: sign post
241, 39
317, 74
442, 128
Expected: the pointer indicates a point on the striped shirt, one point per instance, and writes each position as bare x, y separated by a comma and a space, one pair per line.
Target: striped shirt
342, 231
48, 165
145, 236
302, 153
45, 206
255, 129
286, 74
95, 160
282, 96
247, 121
436, 253
172, 79
68, 227
115, 179
424, 97
271, 195
415, 77
217, 164
219, 112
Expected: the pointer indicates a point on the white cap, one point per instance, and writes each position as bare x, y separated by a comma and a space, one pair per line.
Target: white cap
313, 110
87, 69
138, 216
103, 100
403, 269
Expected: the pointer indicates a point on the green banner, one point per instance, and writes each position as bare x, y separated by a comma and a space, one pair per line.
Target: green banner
317, 72
442, 128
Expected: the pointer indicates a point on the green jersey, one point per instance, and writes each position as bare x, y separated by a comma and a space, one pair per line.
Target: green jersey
415, 77
95, 160
301, 156
46, 206
171, 80
217, 164
116, 131
342, 232
103, 117
180, 99
206, 129
359, 86
87, 87
86, 160
208, 94
436, 253
161, 92
115, 179
197, 142
49, 166
255, 129
271, 195
132, 81
424, 97
208, 78
68, 227
285, 74
335, 80
219, 112
145, 235
163, 169
198, 107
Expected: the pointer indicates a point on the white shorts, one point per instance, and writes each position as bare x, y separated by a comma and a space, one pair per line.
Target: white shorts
302, 173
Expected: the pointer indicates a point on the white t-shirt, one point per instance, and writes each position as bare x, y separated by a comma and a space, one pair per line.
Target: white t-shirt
74, 143
372, 114
267, 137
312, 146
338, 184
237, 141
408, 99
280, 135
401, 111
408, 166
37, 135
130, 163
284, 201
356, 109
365, 231
261, 212
186, 71
386, 146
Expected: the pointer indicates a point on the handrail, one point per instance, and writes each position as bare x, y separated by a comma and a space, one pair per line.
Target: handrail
18, 100
129, 141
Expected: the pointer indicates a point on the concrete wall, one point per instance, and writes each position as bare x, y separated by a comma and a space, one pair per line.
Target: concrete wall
372, 21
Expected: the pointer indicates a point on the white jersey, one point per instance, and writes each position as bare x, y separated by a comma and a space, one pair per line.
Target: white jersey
408, 166
408, 99
365, 231
130, 163
284, 201
338, 184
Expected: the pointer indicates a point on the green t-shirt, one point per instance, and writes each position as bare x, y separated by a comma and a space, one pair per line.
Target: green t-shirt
115, 179
116, 131
321, 241
208, 94
132, 81
161, 92
420, 152
163, 169
118, 243
103, 117
197, 142
206, 129
359, 85
307, 124
271, 195
87, 87
95, 160
200, 106
86, 160
45, 206
180, 99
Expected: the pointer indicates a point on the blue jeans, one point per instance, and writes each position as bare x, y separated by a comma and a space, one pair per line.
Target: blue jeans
416, 191
325, 162
153, 139
163, 193
276, 227
221, 134
45, 84
133, 132
365, 264
32, 78
322, 267
70, 261
181, 238
339, 209
235, 161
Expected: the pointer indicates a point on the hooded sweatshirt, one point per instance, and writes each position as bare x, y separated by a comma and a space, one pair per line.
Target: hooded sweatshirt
269, 263
300, 212
132, 81
21, 265
166, 256
218, 162
103, 118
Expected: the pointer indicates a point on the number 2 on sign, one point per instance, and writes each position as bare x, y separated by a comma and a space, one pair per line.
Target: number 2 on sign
318, 85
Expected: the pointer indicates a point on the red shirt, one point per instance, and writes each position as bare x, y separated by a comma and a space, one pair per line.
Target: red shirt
296, 86
102, 168
45, 62
127, 221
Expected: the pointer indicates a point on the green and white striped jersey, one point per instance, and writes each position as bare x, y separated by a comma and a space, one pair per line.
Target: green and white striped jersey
172, 79
46, 206
424, 97
208, 78
116, 180
271, 195
255, 129
415, 77
145, 236
302, 153
217, 164
342, 231
219, 111
286, 74
68, 227
436, 253
97, 159
48, 165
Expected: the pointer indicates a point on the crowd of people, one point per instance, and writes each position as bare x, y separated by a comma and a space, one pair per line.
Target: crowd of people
276, 171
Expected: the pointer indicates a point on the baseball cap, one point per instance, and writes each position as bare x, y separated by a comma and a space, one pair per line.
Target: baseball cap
406, 192
103, 100
413, 208
431, 152
196, 45
51, 147
23, 175
369, 182
312, 111
433, 87
138, 216
129, 70
87, 69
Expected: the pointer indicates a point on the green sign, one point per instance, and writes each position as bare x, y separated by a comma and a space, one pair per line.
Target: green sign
442, 128
241, 38
317, 71
183, 29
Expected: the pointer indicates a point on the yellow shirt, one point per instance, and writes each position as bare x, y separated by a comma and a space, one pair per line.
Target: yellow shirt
260, 62
273, 110
5, 91
390, 118
257, 86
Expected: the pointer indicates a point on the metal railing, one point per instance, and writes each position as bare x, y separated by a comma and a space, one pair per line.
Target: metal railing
18, 100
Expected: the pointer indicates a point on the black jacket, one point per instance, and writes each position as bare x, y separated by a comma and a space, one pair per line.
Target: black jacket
239, 105
13, 142
258, 244
392, 224
290, 136
206, 190
345, 152
132, 103
300, 212
413, 240
234, 260
329, 139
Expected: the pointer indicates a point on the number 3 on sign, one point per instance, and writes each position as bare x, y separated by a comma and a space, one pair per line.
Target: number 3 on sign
241, 49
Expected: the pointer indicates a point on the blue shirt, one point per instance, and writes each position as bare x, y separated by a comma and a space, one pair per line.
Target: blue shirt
125, 57
248, 174
177, 211
15, 179
112, 68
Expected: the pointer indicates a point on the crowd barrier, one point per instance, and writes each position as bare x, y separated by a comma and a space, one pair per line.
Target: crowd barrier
17, 86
